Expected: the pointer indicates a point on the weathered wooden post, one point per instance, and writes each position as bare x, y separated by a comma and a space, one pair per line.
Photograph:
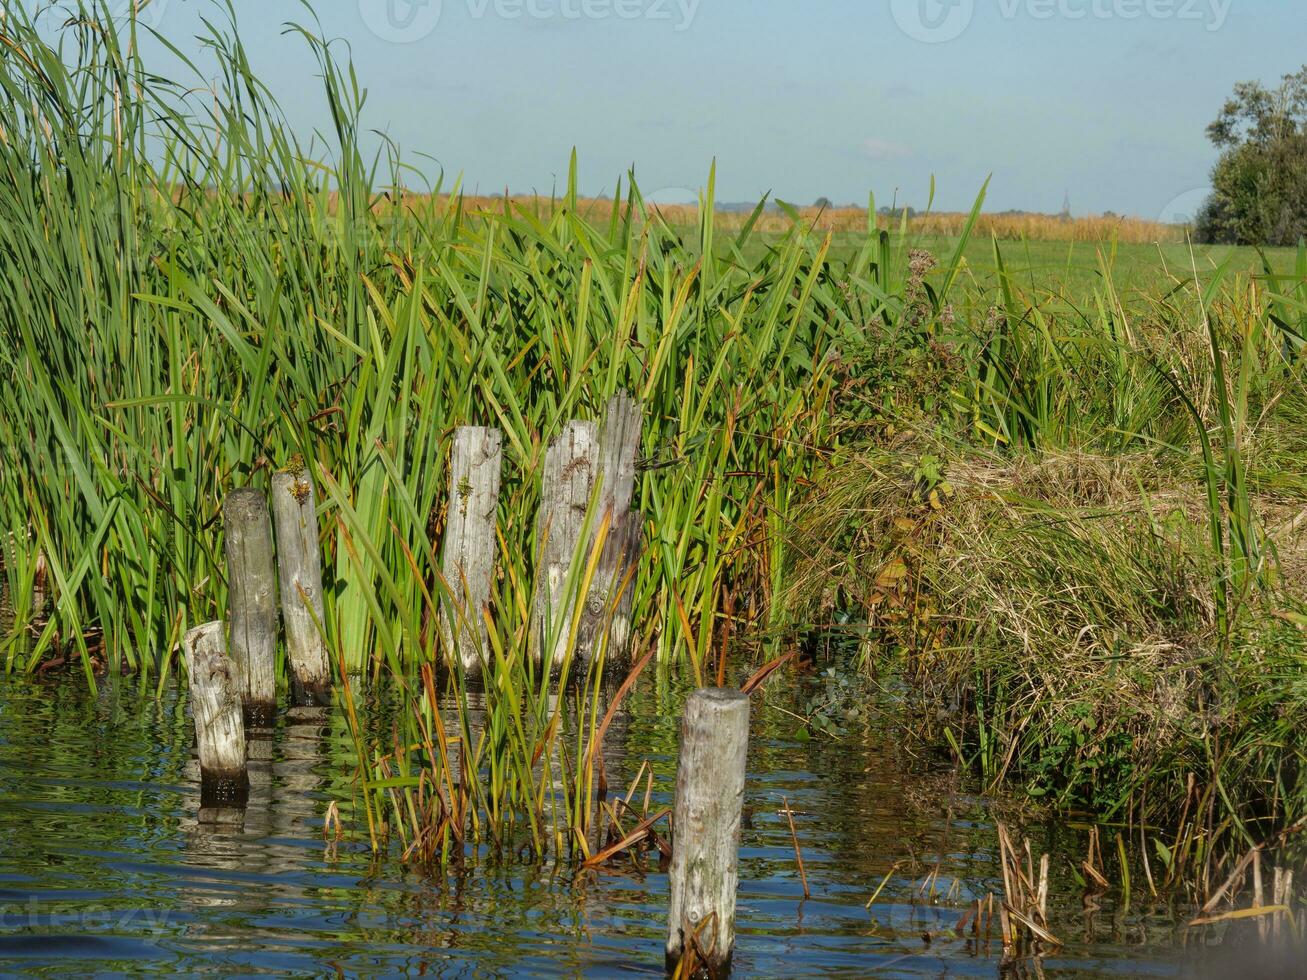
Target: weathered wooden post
706, 828
219, 726
252, 603
619, 441
40, 587
565, 488
299, 564
468, 558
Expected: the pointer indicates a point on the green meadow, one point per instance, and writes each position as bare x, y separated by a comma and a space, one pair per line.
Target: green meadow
1075, 270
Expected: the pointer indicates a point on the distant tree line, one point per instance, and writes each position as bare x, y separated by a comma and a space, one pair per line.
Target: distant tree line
1259, 194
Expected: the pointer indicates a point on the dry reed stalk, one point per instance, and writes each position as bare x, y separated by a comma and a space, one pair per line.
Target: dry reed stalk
641, 833
1093, 861
1025, 895
1283, 896
1258, 893
1229, 884
798, 854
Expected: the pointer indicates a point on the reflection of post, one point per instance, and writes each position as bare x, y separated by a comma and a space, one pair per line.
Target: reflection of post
617, 771
300, 565
706, 828
468, 718
218, 845
550, 774
296, 773
219, 727
252, 601
230, 819
565, 487
469, 548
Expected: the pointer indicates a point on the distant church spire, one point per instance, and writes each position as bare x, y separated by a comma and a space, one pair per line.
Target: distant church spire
1066, 207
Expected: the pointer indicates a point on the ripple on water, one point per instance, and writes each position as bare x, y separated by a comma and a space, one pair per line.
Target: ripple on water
104, 867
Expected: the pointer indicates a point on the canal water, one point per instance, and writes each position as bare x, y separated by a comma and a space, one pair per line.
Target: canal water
104, 867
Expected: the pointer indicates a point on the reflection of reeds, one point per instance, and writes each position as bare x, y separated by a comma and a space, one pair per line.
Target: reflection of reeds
517, 764
1023, 914
1093, 864
1273, 919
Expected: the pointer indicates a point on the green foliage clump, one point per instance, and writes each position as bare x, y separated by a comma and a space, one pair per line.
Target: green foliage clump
1259, 192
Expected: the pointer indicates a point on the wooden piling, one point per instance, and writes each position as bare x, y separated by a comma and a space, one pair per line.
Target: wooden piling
706, 829
619, 442
468, 559
219, 725
252, 603
299, 565
565, 487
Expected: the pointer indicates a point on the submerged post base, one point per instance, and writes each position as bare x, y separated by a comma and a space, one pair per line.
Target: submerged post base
315, 695
261, 714
224, 789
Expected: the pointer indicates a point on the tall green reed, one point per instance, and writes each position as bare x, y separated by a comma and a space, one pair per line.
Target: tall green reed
195, 299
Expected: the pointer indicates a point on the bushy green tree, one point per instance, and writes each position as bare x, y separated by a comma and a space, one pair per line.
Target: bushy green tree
1259, 194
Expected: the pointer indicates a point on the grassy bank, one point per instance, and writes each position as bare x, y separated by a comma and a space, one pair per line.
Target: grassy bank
1080, 561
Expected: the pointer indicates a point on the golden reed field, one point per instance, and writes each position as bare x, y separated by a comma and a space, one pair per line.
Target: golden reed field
1005, 227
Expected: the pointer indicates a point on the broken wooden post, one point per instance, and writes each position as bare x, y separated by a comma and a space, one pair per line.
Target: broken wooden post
299, 564
565, 489
252, 602
219, 726
468, 559
706, 829
619, 441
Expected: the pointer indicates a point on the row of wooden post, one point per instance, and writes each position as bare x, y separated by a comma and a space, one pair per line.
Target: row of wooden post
232, 666
586, 461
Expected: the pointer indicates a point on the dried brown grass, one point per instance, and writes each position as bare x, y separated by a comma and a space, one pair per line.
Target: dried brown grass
1005, 227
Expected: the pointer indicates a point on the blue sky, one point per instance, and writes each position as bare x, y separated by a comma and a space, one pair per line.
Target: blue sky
1105, 99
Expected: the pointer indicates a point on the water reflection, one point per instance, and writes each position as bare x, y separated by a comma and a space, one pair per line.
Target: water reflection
108, 863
